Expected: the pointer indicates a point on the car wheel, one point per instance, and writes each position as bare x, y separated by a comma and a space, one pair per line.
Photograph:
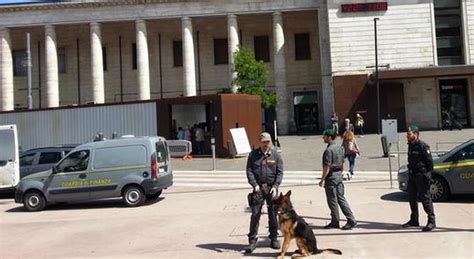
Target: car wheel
34, 201
154, 196
133, 196
439, 189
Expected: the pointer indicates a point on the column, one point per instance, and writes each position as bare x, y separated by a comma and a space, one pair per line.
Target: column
327, 90
51, 61
97, 64
7, 101
233, 41
189, 69
143, 67
279, 67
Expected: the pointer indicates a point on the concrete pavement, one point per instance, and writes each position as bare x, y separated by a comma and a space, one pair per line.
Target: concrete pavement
303, 153
202, 222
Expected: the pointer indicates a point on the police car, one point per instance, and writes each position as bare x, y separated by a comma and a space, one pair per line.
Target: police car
453, 173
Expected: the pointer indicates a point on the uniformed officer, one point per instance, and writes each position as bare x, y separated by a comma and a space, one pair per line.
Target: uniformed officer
332, 181
420, 165
264, 174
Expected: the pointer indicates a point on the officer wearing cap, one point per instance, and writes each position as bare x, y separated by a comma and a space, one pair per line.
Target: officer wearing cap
332, 181
264, 174
420, 165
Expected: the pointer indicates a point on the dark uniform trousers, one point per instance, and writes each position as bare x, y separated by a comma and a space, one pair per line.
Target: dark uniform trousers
419, 188
335, 197
257, 212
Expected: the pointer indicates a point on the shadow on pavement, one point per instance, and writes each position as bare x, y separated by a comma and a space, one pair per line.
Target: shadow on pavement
403, 197
101, 204
392, 228
223, 247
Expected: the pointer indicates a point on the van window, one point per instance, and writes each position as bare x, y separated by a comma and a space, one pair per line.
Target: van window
75, 162
113, 157
161, 154
7, 144
27, 159
49, 157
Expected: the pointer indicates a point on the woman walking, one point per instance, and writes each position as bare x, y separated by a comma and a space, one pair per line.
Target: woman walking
351, 150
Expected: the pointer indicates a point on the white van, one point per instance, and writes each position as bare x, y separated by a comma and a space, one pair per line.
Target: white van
9, 157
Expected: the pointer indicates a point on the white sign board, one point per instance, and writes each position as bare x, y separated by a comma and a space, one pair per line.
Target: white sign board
241, 141
390, 130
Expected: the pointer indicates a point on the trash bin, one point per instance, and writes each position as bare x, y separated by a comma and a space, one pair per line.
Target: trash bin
385, 146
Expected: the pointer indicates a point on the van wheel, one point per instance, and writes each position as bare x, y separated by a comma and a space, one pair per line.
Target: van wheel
133, 196
34, 201
439, 189
153, 196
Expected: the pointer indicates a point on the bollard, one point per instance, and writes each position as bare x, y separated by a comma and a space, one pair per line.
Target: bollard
213, 147
390, 169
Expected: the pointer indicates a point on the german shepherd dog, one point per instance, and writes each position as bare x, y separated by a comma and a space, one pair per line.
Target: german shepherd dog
293, 226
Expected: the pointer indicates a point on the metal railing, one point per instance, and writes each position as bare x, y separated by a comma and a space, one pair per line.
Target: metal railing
447, 143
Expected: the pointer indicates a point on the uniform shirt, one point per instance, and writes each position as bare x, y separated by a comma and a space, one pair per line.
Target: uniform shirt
333, 156
264, 168
419, 157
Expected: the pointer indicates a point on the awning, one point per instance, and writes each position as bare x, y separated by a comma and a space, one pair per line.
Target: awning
441, 71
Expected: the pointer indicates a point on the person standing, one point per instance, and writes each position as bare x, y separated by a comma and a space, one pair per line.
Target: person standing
420, 165
335, 123
351, 150
199, 139
264, 174
359, 126
180, 135
348, 126
332, 181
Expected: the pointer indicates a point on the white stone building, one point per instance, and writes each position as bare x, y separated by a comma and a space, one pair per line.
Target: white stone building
317, 53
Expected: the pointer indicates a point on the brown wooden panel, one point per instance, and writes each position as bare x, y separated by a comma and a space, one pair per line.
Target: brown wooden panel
426, 72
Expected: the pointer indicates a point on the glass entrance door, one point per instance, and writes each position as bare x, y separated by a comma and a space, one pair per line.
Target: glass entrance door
306, 112
454, 100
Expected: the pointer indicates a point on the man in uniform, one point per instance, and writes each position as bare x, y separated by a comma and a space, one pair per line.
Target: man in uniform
331, 180
264, 174
420, 165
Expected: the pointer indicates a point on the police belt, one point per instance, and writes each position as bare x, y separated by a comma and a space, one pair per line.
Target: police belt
335, 169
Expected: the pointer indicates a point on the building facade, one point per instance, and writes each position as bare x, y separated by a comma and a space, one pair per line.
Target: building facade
425, 56
319, 55
112, 51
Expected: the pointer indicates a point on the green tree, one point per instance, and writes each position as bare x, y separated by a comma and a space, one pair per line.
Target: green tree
252, 77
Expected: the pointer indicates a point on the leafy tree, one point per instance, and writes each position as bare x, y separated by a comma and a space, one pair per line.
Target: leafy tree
252, 77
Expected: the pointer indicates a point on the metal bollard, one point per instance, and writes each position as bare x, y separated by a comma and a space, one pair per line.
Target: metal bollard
390, 169
213, 147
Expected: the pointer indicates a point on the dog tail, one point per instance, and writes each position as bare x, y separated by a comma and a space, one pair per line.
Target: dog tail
329, 251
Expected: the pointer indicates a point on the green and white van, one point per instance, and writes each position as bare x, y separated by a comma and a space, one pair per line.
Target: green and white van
134, 168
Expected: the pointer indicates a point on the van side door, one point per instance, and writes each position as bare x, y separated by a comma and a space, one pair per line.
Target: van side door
116, 166
70, 178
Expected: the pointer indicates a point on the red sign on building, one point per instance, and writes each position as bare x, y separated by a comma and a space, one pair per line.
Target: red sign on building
364, 7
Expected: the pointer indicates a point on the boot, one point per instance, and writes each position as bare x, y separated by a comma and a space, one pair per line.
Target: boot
411, 223
430, 226
251, 247
275, 244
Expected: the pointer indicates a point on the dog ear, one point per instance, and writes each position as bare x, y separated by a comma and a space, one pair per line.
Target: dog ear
288, 194
281, 194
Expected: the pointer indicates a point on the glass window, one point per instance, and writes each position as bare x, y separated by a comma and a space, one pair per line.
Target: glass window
27, 160
177, 53
161, 154
221, 53
302, 46
134, 56
262, 48
114, 157
19, 63
49, 158
62, 61
75, 162
7, 145
104, 58
449, 38
467, 153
